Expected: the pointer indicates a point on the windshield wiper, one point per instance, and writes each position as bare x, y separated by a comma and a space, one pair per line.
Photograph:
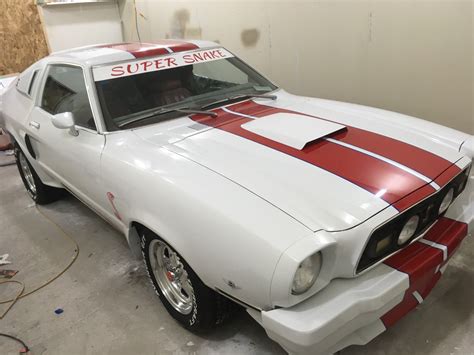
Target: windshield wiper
238, 97
200, 112
163, 111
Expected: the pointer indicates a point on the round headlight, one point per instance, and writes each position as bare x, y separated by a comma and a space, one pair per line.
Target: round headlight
448, 198
408, 230
306, 274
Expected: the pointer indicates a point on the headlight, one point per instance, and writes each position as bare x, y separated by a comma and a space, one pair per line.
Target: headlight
383, 245
408, 230
448, 198
306, 274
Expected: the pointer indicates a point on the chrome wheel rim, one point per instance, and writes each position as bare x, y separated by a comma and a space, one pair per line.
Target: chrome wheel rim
171, 276
27, 174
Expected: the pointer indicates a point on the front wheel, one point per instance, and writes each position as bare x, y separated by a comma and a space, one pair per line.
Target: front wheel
183, 294
39, 192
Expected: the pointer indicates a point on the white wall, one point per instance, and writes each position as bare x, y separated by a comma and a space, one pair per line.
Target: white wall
410, 56
77, 25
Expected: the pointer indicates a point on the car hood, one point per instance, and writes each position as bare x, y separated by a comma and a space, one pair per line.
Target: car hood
329, 165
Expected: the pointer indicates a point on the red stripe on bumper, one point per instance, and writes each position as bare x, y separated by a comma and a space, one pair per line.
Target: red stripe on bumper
449, 233
422, 262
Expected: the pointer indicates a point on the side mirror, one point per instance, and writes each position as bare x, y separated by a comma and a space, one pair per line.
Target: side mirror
65, 120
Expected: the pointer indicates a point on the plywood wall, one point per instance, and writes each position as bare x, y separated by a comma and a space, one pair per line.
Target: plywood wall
22, 40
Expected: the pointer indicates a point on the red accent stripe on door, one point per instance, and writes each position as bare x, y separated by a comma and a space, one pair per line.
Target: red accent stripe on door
422, 263
378, 177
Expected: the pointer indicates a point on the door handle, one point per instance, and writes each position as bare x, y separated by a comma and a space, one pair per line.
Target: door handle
35, 124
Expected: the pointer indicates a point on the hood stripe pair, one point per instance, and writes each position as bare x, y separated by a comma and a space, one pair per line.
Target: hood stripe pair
353, 147
422, 161
389, 161
383, 176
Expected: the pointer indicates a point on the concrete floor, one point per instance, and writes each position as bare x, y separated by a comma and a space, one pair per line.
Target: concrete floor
110, 308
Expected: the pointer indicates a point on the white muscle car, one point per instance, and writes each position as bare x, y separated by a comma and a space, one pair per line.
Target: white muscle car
327, 221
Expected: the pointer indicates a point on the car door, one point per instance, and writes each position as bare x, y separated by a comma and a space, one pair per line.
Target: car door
71, 156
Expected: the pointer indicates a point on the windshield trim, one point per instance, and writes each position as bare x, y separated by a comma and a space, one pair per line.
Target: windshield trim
98, 104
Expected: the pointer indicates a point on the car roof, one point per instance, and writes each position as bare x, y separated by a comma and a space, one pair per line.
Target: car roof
101, 54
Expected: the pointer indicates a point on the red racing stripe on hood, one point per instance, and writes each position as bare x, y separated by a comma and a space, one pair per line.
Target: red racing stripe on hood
444, 178
420, 160
413, 198
378, 177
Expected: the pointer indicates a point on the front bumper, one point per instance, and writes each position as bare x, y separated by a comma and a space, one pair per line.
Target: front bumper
354, 311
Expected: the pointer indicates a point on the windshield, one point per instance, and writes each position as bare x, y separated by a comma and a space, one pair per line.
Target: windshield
130, 93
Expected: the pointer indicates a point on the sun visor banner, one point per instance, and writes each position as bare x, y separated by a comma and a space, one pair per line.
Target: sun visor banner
146, 65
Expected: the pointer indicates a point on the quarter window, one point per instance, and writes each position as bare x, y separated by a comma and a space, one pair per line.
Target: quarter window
32, 81
65, 91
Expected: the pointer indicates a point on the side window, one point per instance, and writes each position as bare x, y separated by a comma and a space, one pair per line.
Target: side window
65, 91
25, 82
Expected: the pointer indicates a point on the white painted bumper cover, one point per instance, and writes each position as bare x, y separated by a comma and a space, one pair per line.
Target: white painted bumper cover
346, 312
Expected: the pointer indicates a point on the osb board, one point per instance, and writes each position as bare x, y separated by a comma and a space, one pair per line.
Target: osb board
22, 40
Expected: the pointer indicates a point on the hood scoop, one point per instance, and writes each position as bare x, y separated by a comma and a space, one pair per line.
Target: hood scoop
291, 129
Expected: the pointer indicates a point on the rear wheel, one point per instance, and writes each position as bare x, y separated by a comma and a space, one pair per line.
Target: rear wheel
39, 192
183, 294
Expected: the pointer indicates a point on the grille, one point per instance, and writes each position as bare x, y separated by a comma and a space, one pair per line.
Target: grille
387, 234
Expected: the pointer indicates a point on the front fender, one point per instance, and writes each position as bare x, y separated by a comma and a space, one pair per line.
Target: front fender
232, 238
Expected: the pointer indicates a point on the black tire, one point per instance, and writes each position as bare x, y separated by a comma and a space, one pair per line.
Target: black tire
41, 193
209, 308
